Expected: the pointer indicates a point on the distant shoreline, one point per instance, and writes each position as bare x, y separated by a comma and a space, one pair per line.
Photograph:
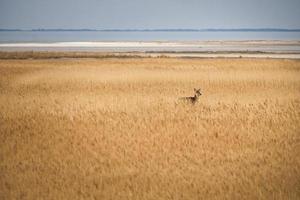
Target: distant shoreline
164, 30
245, 46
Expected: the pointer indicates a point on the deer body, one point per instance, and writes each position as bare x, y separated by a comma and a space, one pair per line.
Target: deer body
193, 99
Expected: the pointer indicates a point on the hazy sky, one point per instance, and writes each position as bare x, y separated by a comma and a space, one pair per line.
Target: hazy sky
149, 14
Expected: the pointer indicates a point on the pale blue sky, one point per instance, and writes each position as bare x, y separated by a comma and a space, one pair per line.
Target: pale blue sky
107, 14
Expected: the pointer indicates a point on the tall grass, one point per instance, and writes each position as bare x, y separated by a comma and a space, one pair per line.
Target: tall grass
115, 129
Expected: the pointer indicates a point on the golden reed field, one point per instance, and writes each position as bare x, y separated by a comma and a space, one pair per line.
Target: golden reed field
114, 128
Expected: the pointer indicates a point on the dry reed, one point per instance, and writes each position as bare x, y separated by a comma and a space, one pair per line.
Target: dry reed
114, 129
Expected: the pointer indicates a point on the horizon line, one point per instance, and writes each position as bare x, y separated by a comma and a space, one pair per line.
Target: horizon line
162, 29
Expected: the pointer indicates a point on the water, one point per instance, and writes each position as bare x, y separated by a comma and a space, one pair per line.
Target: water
47, 41
90, 36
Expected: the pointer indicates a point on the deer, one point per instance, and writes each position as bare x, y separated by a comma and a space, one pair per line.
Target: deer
193, 99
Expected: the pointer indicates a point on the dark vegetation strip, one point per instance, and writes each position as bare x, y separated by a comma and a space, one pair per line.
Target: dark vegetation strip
57, 55
4, 55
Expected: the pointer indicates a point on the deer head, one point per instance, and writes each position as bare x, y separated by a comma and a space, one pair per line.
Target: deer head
197, 92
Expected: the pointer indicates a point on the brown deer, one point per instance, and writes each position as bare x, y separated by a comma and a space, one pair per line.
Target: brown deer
193, 99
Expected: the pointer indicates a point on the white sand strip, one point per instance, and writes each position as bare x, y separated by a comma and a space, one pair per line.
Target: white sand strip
230, 49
